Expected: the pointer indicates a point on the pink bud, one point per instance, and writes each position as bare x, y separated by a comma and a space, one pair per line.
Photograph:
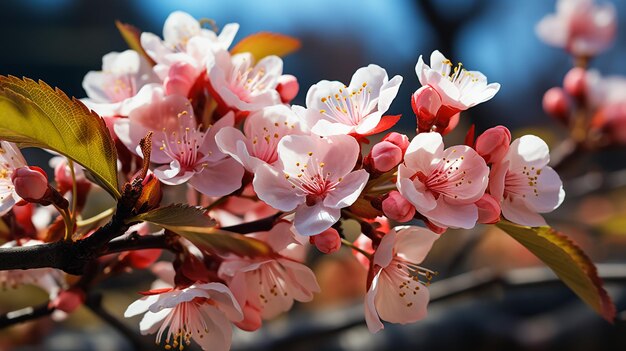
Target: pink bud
426, 102
397, 207
327, 241
287, 87
400, 140
556, 104
251, 318
385, 156
68, 300
488, 209
575, 82
493, 144
31, 183
180, 78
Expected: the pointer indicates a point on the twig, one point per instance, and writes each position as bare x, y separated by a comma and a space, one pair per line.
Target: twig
25, 315
260, 225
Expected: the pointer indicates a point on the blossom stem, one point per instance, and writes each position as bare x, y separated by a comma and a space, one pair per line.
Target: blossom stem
67, 220
70, 163
383, 189
354, 247
95, 219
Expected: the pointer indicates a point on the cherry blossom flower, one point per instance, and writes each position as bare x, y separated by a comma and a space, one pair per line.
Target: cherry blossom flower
580, 27
189, 153
111, 91
241, 84
524, 184
10, 159
443, 185
186, 46
314, 177
49, 279
261, 133
200, 312
270, 284
334, 108
398, 293
447, 90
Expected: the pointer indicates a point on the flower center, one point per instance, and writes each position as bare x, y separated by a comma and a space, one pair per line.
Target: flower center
410, 277
265, 140
458, 75
348, 107
120, 87
519, 184
446, 178
185, 321
247, 81
271, 282
184, 145
312, 181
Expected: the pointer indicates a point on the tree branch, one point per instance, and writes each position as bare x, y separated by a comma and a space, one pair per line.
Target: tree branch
25, 314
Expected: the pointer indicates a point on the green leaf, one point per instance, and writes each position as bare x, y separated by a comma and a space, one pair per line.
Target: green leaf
195, 225
265, 44
131, 36
34, 114
568, 261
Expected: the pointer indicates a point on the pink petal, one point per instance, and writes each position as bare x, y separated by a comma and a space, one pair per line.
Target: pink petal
515, 210
414, 243
371, 316
384, 252
348, 190
272, 188
312, 220
424, 151
218, 179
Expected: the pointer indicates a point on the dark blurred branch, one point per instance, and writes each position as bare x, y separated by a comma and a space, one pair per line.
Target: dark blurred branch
260, 225
25, 314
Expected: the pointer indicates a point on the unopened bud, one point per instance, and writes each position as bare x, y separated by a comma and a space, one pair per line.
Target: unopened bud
493, 144
385, 156
575, 82
488, 209
31, 183
151, 194
400, 140
425, 102
327, 241
397, 207
556, 104
287, 87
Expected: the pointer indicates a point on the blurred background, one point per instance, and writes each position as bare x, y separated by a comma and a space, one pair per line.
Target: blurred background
59, 41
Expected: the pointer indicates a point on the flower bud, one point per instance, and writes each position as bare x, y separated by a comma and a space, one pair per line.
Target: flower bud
493, 144
425, 102
575, 82
287, 87
488, 209
68, 300
151, 194
251, 318
385, 156
397, 207
400, 140
556, 104
31, 183
327, 241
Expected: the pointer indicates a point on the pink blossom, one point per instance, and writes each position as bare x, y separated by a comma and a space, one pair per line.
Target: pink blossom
580, 27
262, 131
239, 83
10, 159
398, 293
524, 184
188, 152
200, 312
443, 185
458, 88
314, 177
270, 284
556, 103
334, 108
185, 50
111, 91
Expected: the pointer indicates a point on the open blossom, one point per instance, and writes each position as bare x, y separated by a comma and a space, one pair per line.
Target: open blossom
10, 159
270, 284
111, 91
186, 46
447, 90
314, 177
398, 293
261, 133
185, 151
580, 27
524, 184
443, 185
334, 108
200, 312
239, 83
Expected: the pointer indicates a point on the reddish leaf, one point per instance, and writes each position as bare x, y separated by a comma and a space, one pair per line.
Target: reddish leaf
131, 36
385, 123
265, 44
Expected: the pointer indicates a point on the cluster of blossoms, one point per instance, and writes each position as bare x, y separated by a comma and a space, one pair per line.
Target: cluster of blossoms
224, 131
